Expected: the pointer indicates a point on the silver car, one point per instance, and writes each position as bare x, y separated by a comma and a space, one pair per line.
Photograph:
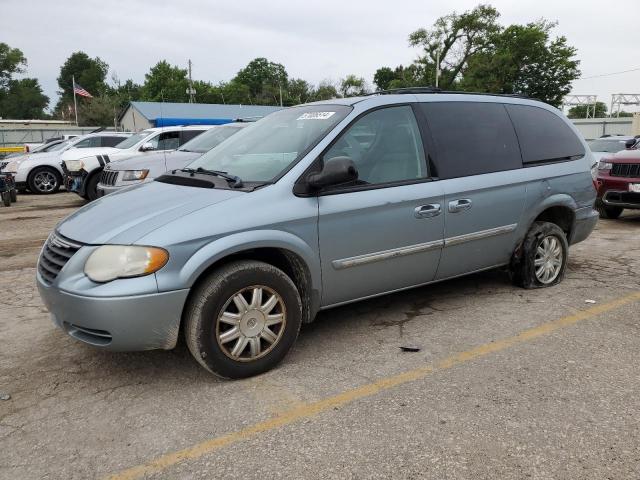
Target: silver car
138, 169
317, 206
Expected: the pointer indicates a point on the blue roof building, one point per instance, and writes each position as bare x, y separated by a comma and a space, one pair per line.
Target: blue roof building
140, 115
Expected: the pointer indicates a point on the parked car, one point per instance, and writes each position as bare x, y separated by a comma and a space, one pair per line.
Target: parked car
34, 147
42, 172
83, 169
45, 147
146, 168
316, 206
618, 183
605, 146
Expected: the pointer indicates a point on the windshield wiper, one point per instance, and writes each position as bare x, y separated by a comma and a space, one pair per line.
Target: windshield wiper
235, 181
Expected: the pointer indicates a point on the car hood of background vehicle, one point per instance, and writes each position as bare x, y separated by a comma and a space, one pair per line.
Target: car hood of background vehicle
78, 153
39, 158
153, 160
626, 156
127, 215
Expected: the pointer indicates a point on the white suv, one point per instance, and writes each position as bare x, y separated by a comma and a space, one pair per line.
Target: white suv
41, 172
83, 169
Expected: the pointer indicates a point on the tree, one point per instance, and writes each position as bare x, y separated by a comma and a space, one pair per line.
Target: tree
98, 111
165, 83
88, 72
326, 91
11, 61
298, 91
353, 86
264, 79
383, 77
23, 99
452, 40
580, 111
523, 59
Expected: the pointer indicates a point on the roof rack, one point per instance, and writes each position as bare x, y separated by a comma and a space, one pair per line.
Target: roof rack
419, 90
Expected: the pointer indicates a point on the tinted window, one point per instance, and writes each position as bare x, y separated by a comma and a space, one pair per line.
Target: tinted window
89, 142
472, 138
189, 135
385, 145
111, 141
166, 141
543, 135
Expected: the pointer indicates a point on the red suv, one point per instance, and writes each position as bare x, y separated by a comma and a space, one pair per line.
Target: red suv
618, 183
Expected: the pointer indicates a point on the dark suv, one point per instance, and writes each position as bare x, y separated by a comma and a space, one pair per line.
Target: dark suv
618, 183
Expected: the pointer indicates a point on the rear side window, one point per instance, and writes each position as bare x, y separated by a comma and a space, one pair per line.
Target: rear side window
543, 136
111, 141
187, 135
472, 138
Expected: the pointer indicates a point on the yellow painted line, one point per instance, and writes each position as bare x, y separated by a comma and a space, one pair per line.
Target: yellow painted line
312, 409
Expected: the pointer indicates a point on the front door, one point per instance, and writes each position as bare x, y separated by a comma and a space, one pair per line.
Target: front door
385, 233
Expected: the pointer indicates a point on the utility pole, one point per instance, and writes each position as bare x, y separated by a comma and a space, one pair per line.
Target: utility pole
191, 91
437, 66
280, 95
75, 102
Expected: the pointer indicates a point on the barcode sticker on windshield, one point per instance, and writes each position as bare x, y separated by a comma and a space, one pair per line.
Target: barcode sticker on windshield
315, 116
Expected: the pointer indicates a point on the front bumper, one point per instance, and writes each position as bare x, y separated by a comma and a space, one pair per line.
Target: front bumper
585, 221
131, 323
107, 189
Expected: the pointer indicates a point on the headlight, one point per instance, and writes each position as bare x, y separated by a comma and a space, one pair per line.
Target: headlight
123, 261
130, 175
11, 167
604, 165
74, 165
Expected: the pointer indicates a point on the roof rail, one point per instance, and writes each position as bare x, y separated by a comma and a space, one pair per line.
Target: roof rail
419, 90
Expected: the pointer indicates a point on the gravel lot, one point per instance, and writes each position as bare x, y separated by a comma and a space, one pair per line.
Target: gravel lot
481, 399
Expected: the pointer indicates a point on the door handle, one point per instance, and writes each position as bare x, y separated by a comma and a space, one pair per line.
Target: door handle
427, 211
456, 206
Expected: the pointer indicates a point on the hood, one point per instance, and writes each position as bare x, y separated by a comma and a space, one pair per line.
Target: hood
79, 153
167, 159
38, 159
125, 216
626, 156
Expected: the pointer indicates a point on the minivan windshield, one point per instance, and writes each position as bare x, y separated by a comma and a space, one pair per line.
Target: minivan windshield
264, 150
609, 146
209, 139
133, 139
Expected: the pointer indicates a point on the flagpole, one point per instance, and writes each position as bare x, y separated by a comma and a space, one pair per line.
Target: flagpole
75, 103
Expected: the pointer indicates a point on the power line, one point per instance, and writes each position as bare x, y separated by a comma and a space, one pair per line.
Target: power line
609, 74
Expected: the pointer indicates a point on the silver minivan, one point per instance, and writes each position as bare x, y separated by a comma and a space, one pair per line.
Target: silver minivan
317, 206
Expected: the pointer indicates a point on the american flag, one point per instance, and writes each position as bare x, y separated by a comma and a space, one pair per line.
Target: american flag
78, 90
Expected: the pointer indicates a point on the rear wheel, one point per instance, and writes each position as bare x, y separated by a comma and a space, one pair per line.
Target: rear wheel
44, 180
6, 199
543, 258
243, 319
608, 212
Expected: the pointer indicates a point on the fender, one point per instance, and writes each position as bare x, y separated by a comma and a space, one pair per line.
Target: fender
238, 242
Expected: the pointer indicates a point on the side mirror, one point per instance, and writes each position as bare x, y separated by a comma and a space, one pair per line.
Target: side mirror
336, 170
147, 147
630, 143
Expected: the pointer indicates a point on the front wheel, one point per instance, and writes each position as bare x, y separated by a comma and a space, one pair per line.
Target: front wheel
608, 212
91, 189
543, 257
44, 181
243, 319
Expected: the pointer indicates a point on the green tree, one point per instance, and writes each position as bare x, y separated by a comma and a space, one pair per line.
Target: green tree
452, 40
165, 83
264, 79
580, 111
383, 77
90, 73
11, 61
298, 91
523, 59
98, 111
351, 86
23, 99
326, 91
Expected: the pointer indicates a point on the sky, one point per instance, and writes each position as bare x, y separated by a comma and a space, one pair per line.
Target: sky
314, 40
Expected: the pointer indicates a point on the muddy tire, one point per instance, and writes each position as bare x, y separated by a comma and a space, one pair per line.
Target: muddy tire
242, 319
543, 256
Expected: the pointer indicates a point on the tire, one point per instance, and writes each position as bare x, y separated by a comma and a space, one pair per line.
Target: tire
14, 195
542, 237
6, 199
44, 181
217, 295
608, 212
91, 189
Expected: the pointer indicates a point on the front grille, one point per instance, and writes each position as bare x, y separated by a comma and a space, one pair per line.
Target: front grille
56, 253
109, 177
625, 170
